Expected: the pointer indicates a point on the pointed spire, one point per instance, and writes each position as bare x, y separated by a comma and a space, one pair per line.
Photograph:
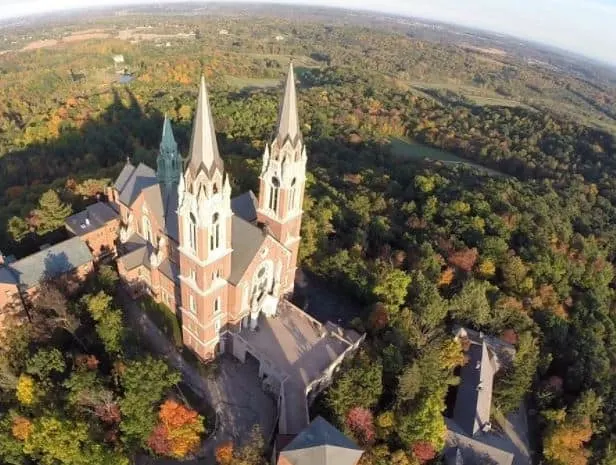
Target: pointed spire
203, 147
288, 124
167, 142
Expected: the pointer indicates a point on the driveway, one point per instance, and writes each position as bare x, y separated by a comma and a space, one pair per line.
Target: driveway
234, 393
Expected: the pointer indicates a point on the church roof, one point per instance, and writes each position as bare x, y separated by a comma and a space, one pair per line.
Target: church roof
131, 182
321, 444
245, 206
288, 122
474, 398
203, 146
246, 240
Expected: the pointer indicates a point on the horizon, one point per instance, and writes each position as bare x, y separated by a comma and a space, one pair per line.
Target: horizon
556, 18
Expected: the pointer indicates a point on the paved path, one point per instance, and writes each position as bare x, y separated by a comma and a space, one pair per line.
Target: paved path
235, 392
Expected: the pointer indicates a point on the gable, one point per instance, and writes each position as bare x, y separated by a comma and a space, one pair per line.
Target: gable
137, 180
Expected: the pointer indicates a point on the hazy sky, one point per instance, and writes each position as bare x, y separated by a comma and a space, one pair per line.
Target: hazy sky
584, 26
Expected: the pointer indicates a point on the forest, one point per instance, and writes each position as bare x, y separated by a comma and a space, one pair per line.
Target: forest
524, 251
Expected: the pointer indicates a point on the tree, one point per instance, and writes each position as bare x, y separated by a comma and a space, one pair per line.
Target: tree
360, 422
109, 324
144, 382
513, 382
359, 385
224, 453
177, 432
471, 304
51, 212
22, 428
44, 362
423, 451
26, 390
252, 451
17, 228
11, 446
564, 443
463, 259
63, 442
392, 287
108, 278
424, 423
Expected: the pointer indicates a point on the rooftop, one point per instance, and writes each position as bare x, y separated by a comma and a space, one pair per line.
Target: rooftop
463, 450
58, 259
320, 444
90, 219
474, 399
298, 345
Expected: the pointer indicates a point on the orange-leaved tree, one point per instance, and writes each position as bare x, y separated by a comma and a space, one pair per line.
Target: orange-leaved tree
224, 453
178, 430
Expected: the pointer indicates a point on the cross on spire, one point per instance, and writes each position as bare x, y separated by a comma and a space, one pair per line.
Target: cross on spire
203, 147
288, 123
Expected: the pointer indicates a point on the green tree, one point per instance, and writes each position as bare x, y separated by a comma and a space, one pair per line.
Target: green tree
44, 362
392, 288
51, 212
424, 422
471, 304
513, 382
359, 385
63, 442
17, 228
145, 383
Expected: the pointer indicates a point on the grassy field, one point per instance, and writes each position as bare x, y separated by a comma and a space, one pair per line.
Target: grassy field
242, 83
410, 149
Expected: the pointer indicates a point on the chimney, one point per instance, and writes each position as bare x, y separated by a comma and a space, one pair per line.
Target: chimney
87, 218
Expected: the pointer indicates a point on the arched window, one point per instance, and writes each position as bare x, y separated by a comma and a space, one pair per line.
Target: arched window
217, 305
292, 194
147, 229
215, 234
273, 197
215, 188
192, 233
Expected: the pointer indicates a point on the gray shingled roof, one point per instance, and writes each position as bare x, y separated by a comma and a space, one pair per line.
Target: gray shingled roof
203, 146
461, 449
139, 179
126, 173
474, 398
172, 227
321, 444
51, 262
97, 215
245, 206
246, 240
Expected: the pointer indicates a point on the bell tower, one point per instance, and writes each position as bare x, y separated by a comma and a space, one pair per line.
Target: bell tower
283, 176
204, 217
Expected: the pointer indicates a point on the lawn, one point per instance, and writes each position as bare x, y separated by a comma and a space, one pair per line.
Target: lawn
261, 83
407, 148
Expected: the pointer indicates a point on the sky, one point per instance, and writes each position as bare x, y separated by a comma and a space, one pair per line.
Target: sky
587, 27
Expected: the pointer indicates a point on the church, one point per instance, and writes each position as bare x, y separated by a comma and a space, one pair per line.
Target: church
221, 261
224, 265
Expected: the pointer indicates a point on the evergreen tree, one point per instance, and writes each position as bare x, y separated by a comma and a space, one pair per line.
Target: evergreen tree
51, 212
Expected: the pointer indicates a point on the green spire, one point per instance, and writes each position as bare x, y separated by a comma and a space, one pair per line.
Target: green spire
169, 162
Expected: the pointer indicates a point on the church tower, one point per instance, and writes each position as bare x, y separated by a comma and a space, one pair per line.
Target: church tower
283, 176
168, 162
204, 217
